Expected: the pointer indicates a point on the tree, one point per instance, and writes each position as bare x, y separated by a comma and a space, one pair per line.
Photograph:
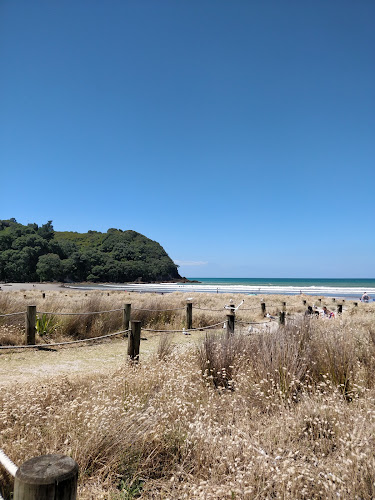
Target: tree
49, 267
46, 231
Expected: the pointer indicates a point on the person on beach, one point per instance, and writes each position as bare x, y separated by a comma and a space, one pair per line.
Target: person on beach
365, 297
310, 311
327, 314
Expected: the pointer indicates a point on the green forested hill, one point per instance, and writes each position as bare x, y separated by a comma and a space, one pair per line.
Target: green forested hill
33, 253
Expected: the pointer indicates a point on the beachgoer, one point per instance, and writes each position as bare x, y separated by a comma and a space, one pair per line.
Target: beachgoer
327, 313
365, 297
309, 311
268, 315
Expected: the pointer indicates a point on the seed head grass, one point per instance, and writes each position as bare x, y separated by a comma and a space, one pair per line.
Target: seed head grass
278, 412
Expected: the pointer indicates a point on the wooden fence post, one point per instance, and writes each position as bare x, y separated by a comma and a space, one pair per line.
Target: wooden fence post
30, 325
282, 318
230, 324
263, 306
134, 340
126, 315
339, 309
189, 315
49, 477
43, 295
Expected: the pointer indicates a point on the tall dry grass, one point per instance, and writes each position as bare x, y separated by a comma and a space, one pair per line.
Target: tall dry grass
297, 422
153, 310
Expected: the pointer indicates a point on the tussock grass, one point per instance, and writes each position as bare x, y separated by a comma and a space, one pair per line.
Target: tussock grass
297, 422
165, 346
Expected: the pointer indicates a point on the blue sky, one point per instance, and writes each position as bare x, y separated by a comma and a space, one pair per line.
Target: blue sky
240, 135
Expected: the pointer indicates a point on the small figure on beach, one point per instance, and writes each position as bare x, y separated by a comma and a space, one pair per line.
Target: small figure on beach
365, 297
327, 313
309, 311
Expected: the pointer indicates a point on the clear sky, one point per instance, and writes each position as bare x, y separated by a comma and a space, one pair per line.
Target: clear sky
238, 134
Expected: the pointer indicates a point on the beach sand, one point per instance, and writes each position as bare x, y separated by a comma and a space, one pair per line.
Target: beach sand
44, 287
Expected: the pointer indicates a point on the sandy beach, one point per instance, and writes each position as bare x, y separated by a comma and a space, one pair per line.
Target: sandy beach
43, 287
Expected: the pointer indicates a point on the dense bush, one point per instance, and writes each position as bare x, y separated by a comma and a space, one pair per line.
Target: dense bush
33, 253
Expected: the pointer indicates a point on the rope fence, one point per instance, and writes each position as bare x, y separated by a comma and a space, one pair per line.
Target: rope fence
55, 344
7, 463
11, 314
76, 314
202, 328
208, 309
257, 322
33, 325
159, 310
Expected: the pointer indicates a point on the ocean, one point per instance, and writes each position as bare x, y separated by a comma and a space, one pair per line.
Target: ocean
330, 287
348, 288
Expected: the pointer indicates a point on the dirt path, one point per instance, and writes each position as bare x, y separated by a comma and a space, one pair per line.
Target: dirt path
24, 366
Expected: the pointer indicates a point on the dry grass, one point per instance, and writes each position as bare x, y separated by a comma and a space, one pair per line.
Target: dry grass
148, 308
298, 422
165, 346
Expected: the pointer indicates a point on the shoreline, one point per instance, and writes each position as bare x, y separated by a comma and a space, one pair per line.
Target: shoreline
192, 287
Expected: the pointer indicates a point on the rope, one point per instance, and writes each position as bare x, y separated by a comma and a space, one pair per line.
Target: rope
180, 330
256, 323
7, 463
158, 310
207, 309
11, 314
78, 314
249, 308
101, 312
62, 343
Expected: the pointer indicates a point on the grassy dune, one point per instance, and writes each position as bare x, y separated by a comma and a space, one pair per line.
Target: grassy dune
286, 412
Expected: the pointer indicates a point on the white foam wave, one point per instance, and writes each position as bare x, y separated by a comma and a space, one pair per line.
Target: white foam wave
266, 289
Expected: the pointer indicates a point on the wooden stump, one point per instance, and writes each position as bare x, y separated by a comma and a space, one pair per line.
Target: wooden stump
126, 316
49, 477
230, 324
189, 315
30, 325
134, 340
